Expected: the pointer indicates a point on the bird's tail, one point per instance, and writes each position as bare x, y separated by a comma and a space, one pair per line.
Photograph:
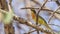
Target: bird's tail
48, 27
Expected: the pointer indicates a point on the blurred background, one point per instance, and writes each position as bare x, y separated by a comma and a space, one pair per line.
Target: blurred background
26, 14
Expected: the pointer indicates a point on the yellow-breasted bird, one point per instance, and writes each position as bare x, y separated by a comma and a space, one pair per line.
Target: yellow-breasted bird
40, 19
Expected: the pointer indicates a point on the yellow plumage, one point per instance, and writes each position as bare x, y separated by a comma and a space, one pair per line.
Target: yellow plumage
40, 19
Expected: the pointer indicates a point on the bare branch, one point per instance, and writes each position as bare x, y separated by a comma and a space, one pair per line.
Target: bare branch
52, 15
23, 21
50, 11
30, 32
29, 8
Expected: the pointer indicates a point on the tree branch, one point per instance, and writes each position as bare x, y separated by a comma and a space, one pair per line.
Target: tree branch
23, 21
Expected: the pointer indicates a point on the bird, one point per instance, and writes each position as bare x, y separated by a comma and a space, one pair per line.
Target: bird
40, 19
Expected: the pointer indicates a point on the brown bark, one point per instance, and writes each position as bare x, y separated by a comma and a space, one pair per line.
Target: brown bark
3, 4
9, 29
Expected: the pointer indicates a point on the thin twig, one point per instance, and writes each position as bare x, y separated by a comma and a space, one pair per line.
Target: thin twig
54, 25
52, 15
30, 32
23, 21
51, 11
29, 8
28, 14
36, 2
38, 14
39, 11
